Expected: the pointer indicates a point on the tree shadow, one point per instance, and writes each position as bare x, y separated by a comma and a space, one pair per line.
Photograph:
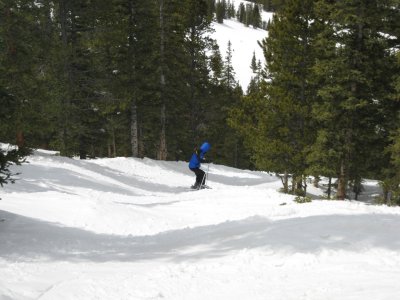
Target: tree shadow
27, 239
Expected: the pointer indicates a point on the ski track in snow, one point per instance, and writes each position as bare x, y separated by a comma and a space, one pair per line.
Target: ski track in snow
127, 228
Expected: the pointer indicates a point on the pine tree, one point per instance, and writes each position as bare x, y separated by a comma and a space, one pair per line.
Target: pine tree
136, 66
249, 15
390, 177
255, 82
256, 18
288, 125
231, 10
228, 73
118, 47
116, 77
80, 125
253, 64
216, 65
352, 86
274, 118
210, 10
20, 76
197, 45
241, 14
220, 11
7, 159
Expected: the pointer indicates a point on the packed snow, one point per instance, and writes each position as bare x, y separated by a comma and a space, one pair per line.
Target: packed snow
126, 228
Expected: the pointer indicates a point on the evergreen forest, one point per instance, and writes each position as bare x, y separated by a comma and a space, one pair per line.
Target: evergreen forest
327, 100
107, 78
100, 78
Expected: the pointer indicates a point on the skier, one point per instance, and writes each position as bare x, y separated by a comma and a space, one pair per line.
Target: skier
194, 165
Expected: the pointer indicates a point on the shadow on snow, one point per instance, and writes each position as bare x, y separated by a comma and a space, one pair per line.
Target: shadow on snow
27, 239
72, 173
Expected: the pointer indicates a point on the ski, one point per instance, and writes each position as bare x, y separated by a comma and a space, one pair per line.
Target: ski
203, 187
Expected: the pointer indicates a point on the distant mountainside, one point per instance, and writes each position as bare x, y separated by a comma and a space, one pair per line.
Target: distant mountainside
244, 44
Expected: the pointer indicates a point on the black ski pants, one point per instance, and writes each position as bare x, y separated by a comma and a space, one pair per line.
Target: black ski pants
200, 176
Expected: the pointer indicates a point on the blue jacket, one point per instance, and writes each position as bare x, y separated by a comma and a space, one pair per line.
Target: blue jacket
198, 156
196, 159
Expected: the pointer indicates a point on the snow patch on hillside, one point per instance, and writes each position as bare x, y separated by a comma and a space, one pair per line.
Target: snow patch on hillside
244, 42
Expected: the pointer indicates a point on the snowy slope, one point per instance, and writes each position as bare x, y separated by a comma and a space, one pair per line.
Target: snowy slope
127, 228
244, 42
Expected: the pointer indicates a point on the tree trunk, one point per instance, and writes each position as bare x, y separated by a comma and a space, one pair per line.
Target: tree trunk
141, 143
236, 154
357, 188
286, 183
114, 145
65, 101
305, 185
82, 148
20, 139
341, 190
293, 184
316, 181
162, 151
134, 130
329, 192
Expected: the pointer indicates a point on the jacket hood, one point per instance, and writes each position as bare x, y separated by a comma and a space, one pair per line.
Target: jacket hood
205, 147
